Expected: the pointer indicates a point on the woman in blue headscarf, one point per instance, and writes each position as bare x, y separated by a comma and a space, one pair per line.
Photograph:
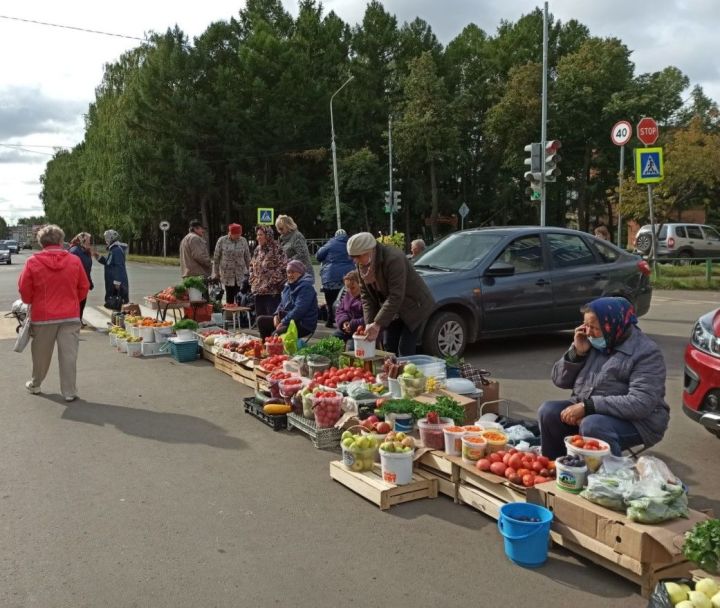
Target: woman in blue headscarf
617, 376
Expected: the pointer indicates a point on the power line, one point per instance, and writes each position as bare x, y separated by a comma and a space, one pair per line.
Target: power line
23, 149
72, 27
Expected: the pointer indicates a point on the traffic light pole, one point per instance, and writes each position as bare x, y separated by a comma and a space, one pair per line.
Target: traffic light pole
543, 126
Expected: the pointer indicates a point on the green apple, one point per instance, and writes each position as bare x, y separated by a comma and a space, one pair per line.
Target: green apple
410, 369
399, 436
345, 435
357, 466
348, 441
388, 446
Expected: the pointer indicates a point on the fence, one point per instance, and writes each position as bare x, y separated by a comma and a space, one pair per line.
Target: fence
692, 271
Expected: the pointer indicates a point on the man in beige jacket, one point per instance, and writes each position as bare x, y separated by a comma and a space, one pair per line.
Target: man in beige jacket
194, 257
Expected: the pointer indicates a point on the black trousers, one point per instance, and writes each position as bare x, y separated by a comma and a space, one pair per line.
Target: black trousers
266, 327
266, 304
330, 297
230, 292
399, 339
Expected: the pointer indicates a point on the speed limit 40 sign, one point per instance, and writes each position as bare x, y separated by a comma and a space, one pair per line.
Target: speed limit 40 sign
621, 133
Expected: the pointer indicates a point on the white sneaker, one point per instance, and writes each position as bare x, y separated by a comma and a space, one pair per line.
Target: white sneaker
32, 389
68, 399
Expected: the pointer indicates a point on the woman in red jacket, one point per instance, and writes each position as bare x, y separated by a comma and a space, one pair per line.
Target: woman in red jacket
54, 283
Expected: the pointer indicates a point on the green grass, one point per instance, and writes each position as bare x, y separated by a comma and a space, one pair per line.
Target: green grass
152, 259
694, 270
663, 282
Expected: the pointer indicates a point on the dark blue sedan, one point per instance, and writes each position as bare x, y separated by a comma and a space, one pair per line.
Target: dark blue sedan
495, 282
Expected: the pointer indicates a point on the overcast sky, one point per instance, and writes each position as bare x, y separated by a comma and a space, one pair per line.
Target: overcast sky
48, 75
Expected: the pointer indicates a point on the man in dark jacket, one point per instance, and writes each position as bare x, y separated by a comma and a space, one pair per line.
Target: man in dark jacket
395, 298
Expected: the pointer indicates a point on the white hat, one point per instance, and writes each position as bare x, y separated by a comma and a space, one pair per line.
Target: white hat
360, 243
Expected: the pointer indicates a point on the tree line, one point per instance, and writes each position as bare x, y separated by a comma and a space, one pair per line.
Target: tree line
239, 119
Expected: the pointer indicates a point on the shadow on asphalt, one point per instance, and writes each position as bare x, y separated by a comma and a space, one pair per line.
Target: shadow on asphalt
158, 426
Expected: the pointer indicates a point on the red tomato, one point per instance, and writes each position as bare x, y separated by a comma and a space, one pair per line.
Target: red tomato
537, 467
510, 472
544, 460
541, 479
495, 457
528, 480
506, 458
515, 461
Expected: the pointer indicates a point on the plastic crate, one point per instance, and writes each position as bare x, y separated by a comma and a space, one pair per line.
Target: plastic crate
184, 352
254, 407
322, 439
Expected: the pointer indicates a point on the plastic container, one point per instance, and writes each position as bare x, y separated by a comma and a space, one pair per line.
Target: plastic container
453, 440
432, 435
134, 331
474, 429
364, 349
327, 408
274, 348
593, 458
162, 334
402, 423
397, 467
357, 459
134, 349
412, 387
113, 340
288, 387
526, 542
317, 363
184, 351
147, 334
185, 335
570, 479
429, 366
122, 345
394, 388
473, 448
496, 440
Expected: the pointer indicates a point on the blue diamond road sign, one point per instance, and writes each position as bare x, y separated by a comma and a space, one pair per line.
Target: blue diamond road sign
649, 165
265, 216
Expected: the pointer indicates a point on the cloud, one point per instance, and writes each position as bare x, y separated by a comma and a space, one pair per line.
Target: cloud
11, 154
27, 110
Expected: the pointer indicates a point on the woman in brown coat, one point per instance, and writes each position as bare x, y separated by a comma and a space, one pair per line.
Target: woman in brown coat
267, 271
394, 296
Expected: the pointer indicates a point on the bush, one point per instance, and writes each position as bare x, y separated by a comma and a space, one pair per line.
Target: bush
397, 240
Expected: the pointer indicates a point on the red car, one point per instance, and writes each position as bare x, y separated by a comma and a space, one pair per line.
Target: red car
701, 391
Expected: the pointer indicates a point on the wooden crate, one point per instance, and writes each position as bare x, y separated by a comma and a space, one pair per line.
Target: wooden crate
645, 575
240, 372
444, 485
208, 355
370, 485
493, 485
261, 382
224, 365
321, 438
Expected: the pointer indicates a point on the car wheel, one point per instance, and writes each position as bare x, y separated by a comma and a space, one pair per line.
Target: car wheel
685, 258
445, 335
643, 242
9, 262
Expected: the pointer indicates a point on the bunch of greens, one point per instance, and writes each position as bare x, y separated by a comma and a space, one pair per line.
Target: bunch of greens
327, 347
180, 290
453, 361
186, 324
702, 545
194, 283
444, 406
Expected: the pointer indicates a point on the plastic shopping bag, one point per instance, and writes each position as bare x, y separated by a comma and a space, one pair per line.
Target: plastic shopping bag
290, 338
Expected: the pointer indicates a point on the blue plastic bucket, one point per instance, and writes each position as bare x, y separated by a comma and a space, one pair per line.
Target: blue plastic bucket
403, 423
526, 542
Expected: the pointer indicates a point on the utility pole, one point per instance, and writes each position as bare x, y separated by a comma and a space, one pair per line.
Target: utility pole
334, 153
543, 119
392, 197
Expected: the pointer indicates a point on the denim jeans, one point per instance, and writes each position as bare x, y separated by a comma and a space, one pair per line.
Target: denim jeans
618, 433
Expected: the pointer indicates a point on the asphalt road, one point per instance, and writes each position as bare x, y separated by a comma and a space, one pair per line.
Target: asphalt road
155, 489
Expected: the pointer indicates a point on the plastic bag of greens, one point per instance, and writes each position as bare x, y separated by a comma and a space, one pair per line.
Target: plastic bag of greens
610, 484
667, 503
290, 338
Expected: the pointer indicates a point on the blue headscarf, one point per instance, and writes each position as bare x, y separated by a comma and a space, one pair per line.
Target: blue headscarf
616, 317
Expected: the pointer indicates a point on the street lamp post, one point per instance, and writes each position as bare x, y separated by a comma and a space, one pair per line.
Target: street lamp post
334, 153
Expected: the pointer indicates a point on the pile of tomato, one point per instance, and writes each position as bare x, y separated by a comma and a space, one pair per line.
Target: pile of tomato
273, 363
326, 407
334, 376
520, 468
274, 345
583, 443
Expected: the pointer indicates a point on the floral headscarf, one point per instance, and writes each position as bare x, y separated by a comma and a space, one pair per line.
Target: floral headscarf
616, 317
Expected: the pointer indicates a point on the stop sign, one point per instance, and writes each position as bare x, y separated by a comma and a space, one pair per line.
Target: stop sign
647, 131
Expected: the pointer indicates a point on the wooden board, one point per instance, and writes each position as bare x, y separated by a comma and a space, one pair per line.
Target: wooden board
240, 372
370, 485
444, 484
436, 461
208, 355
492, 484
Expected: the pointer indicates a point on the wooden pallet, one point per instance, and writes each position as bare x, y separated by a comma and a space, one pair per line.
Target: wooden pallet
370, 485
646, 575
208, 355
261, 382
239, 372
322, 439
434, 465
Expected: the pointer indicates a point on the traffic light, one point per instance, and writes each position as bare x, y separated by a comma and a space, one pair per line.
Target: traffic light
398, 194
552, 158
534, 176
393, 204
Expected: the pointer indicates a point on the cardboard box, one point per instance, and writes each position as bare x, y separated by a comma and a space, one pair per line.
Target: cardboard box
374, 364
470, 404
658, 544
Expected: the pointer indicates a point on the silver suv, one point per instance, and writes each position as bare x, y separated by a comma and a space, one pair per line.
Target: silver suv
680, 241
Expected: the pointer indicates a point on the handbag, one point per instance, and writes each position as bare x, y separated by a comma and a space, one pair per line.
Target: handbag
23, 334
114, 301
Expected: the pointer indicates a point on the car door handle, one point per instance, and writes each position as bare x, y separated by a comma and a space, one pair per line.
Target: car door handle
542, 282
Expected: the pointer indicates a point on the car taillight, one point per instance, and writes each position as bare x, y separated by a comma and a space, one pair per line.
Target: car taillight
644, 267
671, 243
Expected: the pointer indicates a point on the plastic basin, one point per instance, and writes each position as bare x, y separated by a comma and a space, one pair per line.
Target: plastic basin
432, 435
593, 458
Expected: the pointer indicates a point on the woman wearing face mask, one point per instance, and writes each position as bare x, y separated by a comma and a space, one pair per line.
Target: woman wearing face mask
116, 277
617, 377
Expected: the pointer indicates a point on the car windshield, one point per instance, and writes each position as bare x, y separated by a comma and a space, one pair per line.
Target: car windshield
458, 251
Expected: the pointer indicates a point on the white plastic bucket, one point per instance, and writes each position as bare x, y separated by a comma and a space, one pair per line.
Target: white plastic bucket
364, 349
394, 387
471, 450
122, 345
397, 467
162, 334
570, 479
134, 331
134, 349
113, 340
185, 335
147, 334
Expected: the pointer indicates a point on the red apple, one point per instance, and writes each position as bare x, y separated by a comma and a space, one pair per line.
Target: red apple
373, 418
383, 428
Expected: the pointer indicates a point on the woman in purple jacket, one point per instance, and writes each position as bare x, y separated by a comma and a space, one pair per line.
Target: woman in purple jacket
349, 313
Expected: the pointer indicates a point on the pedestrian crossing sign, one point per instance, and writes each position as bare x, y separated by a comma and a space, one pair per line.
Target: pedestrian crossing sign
266, 216
649, 165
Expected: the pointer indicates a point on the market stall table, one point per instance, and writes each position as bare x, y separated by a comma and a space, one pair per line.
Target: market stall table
236, 311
